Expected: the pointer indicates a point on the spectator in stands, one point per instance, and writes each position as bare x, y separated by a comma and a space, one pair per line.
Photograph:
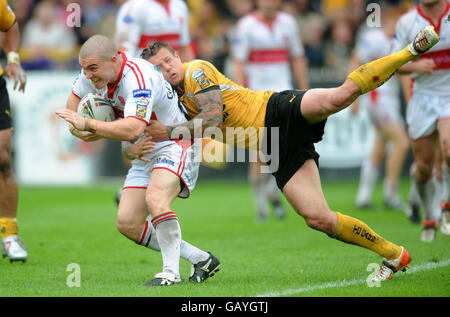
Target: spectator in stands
47, 43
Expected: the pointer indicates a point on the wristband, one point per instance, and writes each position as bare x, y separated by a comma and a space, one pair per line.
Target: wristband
13, 58
90, 125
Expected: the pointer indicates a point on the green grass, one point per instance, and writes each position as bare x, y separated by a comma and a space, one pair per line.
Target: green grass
77, 225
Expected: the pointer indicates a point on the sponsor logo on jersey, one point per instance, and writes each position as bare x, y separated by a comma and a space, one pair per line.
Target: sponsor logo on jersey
142, 93
141, 111
200, 77
163, 160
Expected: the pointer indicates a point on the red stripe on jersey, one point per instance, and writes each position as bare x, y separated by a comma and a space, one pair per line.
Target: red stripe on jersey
437, 27
268, 56
140, 73
75, 94
172, 39
139, 118
135, 74
112, 88
441, 58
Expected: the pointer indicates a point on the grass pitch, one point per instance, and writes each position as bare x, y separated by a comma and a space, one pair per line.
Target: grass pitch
61, 226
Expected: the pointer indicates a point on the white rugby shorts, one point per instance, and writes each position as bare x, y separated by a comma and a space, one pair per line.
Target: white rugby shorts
383, 109
179, 157
423, 112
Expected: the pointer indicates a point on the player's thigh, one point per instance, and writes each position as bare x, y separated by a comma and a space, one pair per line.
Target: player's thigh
5, 145
163, 188
132, 207
319, 103
443, 127
304, 193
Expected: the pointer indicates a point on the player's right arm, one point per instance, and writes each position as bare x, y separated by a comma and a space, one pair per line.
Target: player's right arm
72, 104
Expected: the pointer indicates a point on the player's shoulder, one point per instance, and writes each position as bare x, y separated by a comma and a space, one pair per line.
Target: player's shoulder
197, 66
5, 10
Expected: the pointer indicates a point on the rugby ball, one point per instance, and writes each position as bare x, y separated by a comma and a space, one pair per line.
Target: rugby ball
96, 107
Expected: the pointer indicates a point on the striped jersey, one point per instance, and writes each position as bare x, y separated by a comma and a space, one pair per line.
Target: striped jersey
407, 27
141, 22
266, 49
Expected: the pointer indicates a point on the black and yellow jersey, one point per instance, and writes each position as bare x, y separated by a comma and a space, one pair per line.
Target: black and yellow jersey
7, 19
243, 109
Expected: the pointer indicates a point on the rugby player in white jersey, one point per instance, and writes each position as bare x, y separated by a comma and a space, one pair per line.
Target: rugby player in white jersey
140, 22
428, 112
138, 92
268, 55
384, 108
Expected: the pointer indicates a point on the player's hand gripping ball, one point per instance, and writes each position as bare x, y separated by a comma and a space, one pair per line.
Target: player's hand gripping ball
96, 107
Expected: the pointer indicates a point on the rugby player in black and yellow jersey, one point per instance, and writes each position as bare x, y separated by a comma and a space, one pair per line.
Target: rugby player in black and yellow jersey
300, 117
12, 245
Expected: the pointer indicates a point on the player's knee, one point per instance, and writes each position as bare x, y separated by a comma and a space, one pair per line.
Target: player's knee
320, 222
127, 229
345, 95
156, 203
424, 170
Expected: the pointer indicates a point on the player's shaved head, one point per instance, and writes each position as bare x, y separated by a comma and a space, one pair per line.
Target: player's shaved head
98, 45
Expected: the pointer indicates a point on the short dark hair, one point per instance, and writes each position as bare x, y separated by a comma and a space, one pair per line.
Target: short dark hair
153, 48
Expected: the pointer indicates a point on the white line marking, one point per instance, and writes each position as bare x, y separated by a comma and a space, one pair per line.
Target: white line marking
344, 283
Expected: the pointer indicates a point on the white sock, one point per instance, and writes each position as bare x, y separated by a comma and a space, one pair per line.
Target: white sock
428, 193
187, 251
168, 233
390, 191
368, 178
258, 182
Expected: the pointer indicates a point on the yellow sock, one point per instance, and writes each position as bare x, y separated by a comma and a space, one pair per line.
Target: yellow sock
8, 227
354, 231
372, 75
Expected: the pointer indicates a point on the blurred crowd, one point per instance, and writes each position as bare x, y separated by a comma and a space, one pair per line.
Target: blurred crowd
328, 29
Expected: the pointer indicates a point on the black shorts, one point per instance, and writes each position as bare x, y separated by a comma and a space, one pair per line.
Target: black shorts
296, 137
5, 111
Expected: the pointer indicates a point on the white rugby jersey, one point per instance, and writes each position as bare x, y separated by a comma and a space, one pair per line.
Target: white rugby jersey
140, 92
266, 50
374, 44
407, 27
141, 22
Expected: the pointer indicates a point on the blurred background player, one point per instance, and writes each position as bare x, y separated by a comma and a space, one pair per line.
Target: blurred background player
268, 55
384, 109
428, 112
141, 22
12, 246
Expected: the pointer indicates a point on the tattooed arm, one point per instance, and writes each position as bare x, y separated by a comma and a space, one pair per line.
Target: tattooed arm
210, 104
